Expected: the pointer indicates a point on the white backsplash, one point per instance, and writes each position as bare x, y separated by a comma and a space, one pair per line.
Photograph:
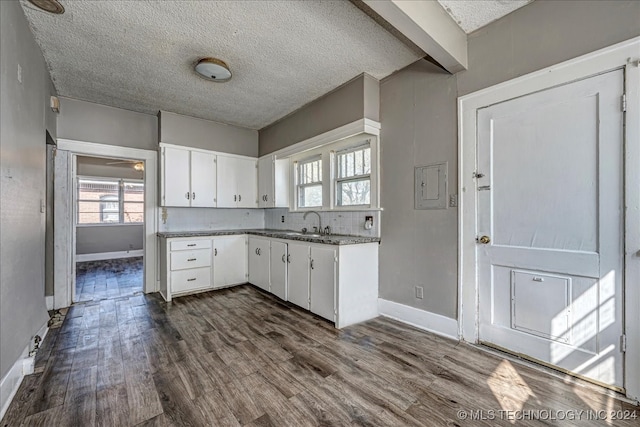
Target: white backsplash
350, 223
196, 219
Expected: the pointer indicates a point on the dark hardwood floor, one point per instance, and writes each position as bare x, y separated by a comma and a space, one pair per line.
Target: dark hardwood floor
96, 280
240, 357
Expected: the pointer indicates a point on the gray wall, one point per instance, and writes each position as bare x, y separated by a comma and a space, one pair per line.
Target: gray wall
22, 180
89, 122
198, 133
352, 101
418, 115
108, 238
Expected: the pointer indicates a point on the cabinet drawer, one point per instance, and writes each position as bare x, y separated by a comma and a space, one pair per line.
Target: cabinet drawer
190, 259
190, 245
189, 280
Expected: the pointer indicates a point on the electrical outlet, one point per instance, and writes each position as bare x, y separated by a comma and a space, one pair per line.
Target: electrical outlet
453, 201
419, 292
282, 218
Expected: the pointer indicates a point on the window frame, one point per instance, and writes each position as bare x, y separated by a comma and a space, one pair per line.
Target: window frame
328, 153
120, 200
337, 180
299, 186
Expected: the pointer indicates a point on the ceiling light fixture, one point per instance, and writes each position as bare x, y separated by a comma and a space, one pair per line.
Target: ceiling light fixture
213, 69
139, 166
51, 6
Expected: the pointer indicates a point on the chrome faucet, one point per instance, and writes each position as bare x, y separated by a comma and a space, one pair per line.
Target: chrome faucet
319, 228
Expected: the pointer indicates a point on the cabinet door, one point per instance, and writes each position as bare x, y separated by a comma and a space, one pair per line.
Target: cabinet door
278, 269
175, 177
203, 180
298, 275
323, 282
247, 183
280, 185
265, 182
259, 263
227, 182
229, 261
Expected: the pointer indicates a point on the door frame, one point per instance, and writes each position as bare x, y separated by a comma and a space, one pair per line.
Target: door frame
64, 235
624, 55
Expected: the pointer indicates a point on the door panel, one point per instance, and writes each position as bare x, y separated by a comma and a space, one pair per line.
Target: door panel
247, 182
323, 282
298, 283
229, 261
550, 200
227, 182
203, 180
265, 182
278, 269
259, 263
175, 177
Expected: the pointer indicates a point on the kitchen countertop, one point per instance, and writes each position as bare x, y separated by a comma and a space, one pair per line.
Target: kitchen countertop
331, 239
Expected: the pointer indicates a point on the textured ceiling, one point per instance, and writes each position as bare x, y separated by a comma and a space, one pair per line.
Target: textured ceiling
139, 55
473, 14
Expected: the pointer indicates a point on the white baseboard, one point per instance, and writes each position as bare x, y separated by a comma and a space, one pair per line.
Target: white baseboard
421, 319
109, 255
12, 380
49, 301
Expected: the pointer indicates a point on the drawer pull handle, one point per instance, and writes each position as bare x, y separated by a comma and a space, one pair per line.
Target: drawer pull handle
191, 259
192, 244
191, 280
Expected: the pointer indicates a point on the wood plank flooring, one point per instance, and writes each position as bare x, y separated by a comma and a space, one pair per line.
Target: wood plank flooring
96, 280
240, 357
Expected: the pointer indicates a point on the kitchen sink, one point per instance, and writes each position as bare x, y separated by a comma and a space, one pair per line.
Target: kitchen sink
299, 233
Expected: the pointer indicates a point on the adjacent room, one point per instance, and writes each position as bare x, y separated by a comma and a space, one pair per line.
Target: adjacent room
322, 213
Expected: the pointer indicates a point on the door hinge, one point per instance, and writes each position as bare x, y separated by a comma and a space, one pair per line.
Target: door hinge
624, 102
623, 343
478, 175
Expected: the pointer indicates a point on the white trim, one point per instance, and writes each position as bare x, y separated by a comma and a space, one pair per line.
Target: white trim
201, 150
63, 286
359, 127
49, 302
23, 366
625, 54
99, 256
432, 322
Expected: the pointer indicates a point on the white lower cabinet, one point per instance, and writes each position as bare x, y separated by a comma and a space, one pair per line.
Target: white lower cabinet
229, 260
278, 269
322, 282
336, 282
298, 274
259, 262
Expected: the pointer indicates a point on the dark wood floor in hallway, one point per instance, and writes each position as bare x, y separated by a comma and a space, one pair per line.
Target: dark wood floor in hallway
240, 357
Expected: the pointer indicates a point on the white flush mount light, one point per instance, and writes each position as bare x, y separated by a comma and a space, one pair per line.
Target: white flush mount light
51, 6
213, 69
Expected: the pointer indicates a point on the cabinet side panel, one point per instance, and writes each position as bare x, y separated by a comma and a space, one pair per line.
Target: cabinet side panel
357, 284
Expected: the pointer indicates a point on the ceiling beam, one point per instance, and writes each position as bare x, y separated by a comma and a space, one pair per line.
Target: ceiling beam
429, 26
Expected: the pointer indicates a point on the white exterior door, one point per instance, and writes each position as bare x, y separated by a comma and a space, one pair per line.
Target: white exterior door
323, 282
278, 269
229, 261
203, 180
175, 182
550, 227
298, 280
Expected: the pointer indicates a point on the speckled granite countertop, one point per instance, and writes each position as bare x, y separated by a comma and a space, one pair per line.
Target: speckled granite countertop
332, 239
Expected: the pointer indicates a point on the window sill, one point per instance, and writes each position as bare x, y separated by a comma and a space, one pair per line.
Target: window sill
114, 224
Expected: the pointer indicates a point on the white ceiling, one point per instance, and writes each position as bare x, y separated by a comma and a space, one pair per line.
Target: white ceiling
139, 55
473, 14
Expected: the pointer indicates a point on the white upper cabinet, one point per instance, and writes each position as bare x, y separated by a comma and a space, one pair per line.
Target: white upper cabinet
175, 186
203, 179
237, 182
188, 178
273, 182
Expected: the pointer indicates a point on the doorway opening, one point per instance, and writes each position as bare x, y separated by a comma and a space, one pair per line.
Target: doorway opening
108, 206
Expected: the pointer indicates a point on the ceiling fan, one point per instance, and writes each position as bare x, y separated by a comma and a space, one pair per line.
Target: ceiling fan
137, 165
